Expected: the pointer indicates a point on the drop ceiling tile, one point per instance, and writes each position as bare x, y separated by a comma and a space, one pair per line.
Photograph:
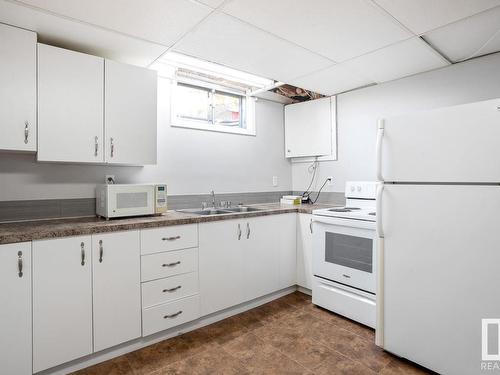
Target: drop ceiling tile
425, 15
468, 38
399, 60
211, 3
337, 29
80, 37
159, 21
228, 41
336, 79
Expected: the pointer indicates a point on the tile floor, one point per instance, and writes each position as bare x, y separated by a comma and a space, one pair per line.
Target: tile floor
286, 336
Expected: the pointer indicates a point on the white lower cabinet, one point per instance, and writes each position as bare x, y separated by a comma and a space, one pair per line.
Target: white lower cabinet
62, 301
168, 315
86, 295
15, 313
117, 288
244, 259
222, 284
304, 250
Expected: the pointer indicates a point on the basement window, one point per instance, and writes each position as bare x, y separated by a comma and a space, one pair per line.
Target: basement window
199, 105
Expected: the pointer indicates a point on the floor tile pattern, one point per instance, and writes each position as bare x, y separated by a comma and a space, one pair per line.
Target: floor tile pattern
286, 336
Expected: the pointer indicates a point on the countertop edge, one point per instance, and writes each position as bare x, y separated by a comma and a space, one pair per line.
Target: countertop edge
50, 229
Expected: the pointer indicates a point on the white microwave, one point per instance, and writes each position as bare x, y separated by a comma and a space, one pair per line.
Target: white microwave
121, 200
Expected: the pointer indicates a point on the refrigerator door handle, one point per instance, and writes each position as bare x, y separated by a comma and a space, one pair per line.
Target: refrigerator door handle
380, 191
380, 138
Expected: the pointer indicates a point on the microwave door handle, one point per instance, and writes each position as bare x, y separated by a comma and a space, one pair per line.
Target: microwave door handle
380, 138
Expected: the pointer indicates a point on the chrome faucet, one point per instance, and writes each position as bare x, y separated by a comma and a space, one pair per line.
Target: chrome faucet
213, 198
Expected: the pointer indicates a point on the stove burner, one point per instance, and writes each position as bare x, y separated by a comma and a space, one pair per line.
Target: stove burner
344, 209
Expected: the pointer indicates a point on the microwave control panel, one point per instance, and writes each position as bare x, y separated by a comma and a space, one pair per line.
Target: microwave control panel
160, 199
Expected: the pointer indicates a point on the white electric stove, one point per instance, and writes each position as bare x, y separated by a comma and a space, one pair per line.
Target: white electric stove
345, 255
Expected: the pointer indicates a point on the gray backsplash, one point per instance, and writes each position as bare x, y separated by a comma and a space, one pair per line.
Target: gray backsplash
65, 208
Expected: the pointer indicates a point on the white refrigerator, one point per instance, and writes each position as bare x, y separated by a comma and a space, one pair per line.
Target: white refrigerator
438, 222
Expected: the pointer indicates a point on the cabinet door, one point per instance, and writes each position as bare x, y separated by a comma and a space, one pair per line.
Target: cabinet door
304, 250
130, 114
17, 89
117, 288
284, 239
70, 106
15, 314
308, 128
221, 265
62, 301
260, 256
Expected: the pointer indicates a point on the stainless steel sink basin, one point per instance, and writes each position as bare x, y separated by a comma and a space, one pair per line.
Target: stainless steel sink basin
208, 211
243, 209
219, 211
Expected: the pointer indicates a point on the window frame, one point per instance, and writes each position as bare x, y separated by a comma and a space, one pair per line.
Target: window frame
247, 109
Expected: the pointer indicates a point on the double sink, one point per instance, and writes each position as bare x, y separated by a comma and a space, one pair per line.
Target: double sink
220, 211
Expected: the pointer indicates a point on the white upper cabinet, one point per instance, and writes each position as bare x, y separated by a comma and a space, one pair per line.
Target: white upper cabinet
117, 288
17, 89
94, 111
309, 128
70, 106
130, 114
15, 314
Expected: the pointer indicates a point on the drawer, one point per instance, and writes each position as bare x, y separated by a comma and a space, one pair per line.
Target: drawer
169, 289
168, 315
175, 237
171, 263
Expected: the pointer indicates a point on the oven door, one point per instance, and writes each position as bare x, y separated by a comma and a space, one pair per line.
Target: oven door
344, 250
131, 200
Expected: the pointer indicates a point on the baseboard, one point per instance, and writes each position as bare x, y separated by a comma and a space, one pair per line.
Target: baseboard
142, 342
304, 290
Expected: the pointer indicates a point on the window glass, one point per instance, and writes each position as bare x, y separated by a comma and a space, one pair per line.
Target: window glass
227, 109
193, 103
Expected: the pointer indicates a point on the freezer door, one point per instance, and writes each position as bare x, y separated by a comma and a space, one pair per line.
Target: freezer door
451, 144
441, 273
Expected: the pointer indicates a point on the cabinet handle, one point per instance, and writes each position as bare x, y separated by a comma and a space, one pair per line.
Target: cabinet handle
26, 131
20, 263
82, 247
96, 145
101, 251
248, 231
239, 232
173, 315
171, 289
311, 226
171, 238
112, 147
171, 264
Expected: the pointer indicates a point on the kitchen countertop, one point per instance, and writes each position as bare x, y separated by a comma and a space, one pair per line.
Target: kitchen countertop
45, 229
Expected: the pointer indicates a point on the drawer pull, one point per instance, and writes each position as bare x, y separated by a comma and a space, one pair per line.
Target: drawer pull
173, 315
346, 276
171, 238
172, 289
171, 264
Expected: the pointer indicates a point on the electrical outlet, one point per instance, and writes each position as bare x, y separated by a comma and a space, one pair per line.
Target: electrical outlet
110, 179
275, 180
330, 180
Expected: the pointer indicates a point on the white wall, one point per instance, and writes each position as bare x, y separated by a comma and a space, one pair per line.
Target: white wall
190, 161
358, 111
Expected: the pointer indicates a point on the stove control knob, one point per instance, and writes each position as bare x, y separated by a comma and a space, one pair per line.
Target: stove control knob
352, 188
359, 187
